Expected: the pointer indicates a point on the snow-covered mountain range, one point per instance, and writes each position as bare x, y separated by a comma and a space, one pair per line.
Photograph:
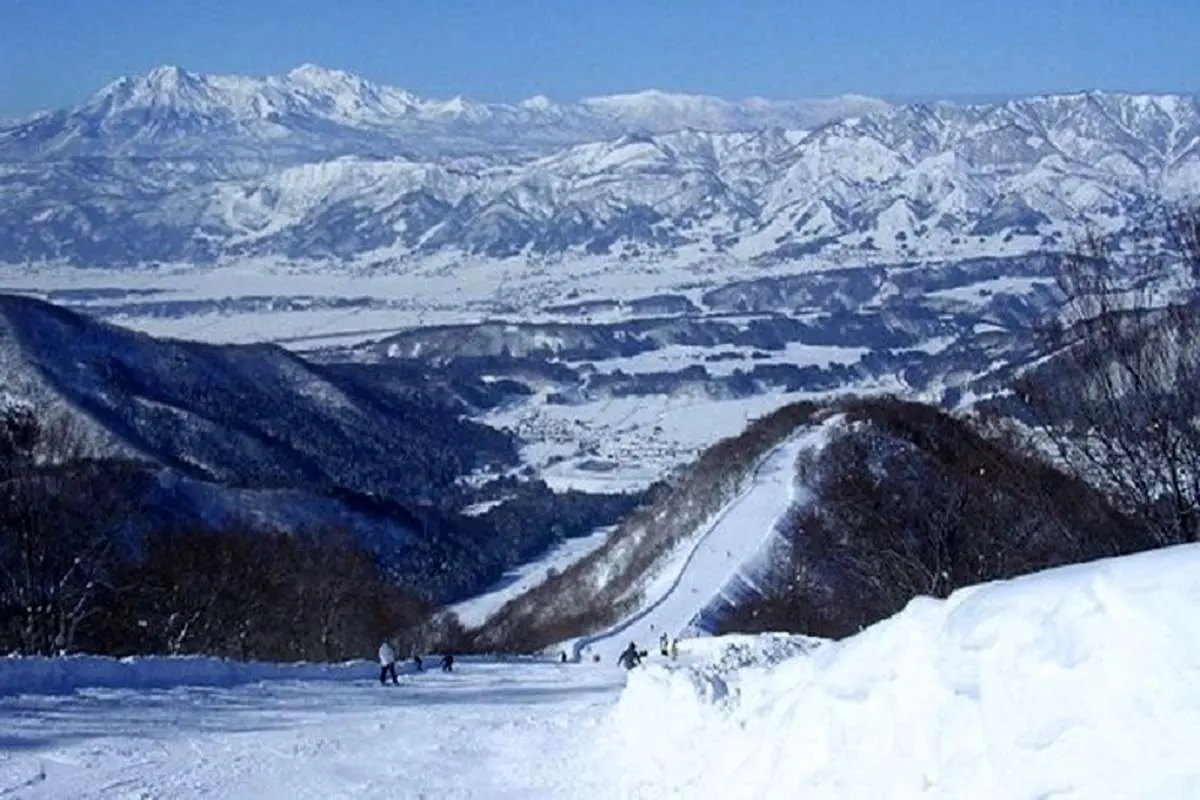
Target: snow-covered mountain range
324, 166
313, 112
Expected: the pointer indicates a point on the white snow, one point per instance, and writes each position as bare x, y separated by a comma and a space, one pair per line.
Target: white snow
1077, 682
474, 611
21, 676
729, 547
626, 443
676, 357
487, 730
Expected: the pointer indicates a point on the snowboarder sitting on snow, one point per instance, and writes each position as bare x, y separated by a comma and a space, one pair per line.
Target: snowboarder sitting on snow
447, 662
387, 663
630, 658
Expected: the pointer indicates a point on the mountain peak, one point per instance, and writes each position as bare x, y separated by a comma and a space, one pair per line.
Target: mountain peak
167, 75
318, 76
166, 85
537, 103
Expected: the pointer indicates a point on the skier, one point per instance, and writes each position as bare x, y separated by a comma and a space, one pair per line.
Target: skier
418, 663
663, 641
447, 663
630, 658
674, 649
387, 663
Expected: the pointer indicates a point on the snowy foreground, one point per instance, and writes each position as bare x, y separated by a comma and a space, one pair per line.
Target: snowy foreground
1080, 682
486, 730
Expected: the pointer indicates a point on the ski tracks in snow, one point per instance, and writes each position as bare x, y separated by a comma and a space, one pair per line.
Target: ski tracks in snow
491, 731
731, 541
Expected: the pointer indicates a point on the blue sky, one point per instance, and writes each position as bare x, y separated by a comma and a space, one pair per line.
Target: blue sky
56, 52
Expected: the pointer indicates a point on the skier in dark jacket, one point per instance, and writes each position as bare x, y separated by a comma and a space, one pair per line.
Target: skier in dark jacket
447, 662
630, 658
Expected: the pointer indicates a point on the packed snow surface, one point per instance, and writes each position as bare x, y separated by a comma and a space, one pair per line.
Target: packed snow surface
487, 730
722, 553
1077, 682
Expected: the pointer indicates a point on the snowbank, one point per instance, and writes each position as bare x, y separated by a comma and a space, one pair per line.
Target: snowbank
1082, 681
65, 675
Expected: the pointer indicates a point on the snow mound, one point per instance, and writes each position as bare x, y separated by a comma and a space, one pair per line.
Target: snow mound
26, 676
725, 653
1082, 681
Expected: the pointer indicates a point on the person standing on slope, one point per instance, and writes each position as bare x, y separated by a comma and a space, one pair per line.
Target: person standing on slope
663, 642
630, 658
387, 663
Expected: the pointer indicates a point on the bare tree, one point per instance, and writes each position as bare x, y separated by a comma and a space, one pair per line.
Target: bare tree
59, 518
909, 501
1119, 394
252, 593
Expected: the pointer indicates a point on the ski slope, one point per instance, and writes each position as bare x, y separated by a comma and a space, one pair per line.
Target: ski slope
474, 611
1081, 682
488, 730
729, 547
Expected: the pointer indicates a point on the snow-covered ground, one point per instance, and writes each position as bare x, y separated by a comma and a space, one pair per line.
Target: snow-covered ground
488, 730
627, 443
1079, 682
474, 611
724, 552
609, 444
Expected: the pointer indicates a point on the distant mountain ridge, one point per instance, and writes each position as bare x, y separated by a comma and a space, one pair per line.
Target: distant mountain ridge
321, 166
313, 112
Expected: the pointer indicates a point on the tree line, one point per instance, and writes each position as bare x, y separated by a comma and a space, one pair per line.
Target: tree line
85, 568
601, 587
909, 500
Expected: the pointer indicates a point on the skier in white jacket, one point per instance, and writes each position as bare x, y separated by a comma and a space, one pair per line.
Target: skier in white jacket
387, 663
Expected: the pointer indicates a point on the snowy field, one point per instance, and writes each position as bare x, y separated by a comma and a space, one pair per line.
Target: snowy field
1082, 682
627, 443
612, 444
433, 290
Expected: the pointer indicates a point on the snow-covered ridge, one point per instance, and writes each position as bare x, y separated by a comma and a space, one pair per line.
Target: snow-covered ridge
1079, 681
325, 167
163, 109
